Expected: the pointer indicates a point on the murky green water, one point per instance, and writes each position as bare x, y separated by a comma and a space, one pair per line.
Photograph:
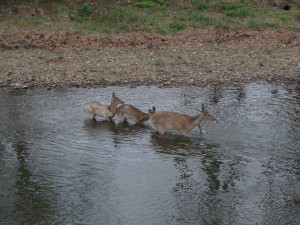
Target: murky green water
57, 167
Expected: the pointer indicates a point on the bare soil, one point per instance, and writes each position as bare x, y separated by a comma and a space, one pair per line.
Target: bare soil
193, 57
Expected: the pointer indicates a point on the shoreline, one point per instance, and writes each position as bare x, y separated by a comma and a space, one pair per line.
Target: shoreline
195, 58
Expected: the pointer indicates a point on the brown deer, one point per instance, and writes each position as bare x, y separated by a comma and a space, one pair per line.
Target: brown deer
130, 112
106, 111
166, 120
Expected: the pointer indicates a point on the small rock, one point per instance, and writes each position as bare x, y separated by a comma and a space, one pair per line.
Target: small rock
191, 81
167, 83
16, 85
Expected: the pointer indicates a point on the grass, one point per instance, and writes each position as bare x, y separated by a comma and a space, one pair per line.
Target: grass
198, 18
258, 24
83, 12
201, 5
177, 25
163, 17
159, 62
120, 14
55, 58
120, 19
62, 9
269, 51
148, 3
235, 9
31, 22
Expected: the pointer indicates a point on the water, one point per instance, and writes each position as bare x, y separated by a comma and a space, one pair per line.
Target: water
58, 167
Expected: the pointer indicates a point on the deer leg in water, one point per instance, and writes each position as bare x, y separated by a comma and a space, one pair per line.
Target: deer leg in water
161, 130
183, 133
122, 118
201, 132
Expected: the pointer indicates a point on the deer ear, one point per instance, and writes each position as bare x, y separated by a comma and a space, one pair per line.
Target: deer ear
202, 107
153, 108
113, 94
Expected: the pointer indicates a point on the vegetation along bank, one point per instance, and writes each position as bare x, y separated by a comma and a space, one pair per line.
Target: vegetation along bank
148, 42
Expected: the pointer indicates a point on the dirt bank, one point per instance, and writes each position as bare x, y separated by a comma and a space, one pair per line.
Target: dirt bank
195, 57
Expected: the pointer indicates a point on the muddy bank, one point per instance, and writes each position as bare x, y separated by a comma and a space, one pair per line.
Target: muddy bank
51, 59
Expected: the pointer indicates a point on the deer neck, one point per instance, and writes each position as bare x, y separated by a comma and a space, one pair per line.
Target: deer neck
113, 108
144, 117
196, 120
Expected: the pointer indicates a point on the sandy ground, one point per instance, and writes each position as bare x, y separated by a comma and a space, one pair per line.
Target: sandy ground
194, 57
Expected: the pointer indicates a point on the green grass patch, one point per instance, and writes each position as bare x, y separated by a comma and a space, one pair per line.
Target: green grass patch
177, 25
281, 18
47, 59
159, 62
157, 16
120, 14
31, 21
149, 3
83, 12
269, 50
161, 16
235, 9
200, 5
297, 16
63, 10
198, 18
121, 19
285, 18
258, 24
161, 30
231, 22
224, 6
241, 12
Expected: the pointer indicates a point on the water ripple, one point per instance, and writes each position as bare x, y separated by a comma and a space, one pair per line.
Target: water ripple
58, 166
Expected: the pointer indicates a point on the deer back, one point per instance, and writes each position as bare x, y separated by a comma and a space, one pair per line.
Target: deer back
172, 120
99, 109
133, 113
168, 120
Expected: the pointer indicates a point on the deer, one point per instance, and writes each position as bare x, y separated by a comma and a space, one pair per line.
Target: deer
106, 111
168, 120
130, 112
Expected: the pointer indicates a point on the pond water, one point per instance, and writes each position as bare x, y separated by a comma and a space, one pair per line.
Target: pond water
59, 167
